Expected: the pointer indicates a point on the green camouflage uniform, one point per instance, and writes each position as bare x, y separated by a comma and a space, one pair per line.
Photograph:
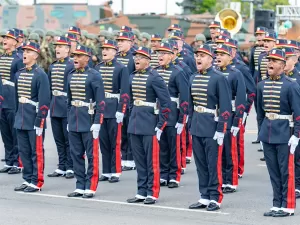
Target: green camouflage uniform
2, 32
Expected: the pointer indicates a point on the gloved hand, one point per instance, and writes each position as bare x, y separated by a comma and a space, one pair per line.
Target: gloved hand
68, 127
219, 136
244, 118
179, 127
38, 131
234, 130
158, 133
293, 142
95, 128
119, 117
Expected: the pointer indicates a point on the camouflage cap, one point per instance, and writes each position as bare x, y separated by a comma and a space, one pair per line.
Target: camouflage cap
200, 37
25, 32
40, 32
29, 30
137, 33
34, 36
115, 33
84, 33
103, 33
50, 33
91, 36
58, 33
146, 35
3, 32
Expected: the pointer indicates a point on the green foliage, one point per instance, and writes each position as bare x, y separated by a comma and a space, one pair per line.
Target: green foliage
271, 4
204, 6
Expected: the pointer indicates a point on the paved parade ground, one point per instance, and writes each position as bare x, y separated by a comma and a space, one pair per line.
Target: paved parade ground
109, 207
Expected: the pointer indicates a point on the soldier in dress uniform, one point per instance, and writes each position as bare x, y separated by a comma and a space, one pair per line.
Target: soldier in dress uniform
177, 83
86, 105
209, 97
238, 100
254, 54
146, 40
20, 43
73, 39
145, 127
251, 92
10, 63
125, 57
155, 43
116, 86
182, 54
185, 46
76, 31
32, 101
214, 29
275, 110
58, 76
293, 44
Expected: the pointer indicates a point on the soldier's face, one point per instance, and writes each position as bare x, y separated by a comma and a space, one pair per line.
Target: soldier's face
297, 52
275, 67
290, 63
101, 39
9, 43
203, 61
73, 46
214, 32
80, 61
108, 54
49, 38
164, 58
124, 45
260, 37
29, 57
269, 45
62, 51
223, 59
198, 43
179, 44
155, 44
141, 62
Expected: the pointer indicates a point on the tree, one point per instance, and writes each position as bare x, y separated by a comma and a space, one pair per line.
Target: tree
202, 6
271, 4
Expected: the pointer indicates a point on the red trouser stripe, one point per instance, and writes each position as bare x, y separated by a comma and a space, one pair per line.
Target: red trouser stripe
118, 148
241, 149
190, 147
219, 173
20, 162
234, 158
155, 167
40, 160
178, 158
95, 176
183, 146
291, 183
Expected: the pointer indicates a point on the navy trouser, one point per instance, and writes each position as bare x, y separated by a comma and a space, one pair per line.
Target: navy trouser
80, 143
297, 168
32, 156
9, 137
170, 155
280, 164
125, 144
208, 159
110, 147
60, 134
230, 160
145, 151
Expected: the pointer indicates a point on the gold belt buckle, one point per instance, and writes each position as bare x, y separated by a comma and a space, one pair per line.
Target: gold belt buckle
272, 116
199, 109
77, 103
23, 100
138, 102
106, 95
55, 93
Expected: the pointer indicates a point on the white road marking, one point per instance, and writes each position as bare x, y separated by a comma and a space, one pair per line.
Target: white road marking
125, 203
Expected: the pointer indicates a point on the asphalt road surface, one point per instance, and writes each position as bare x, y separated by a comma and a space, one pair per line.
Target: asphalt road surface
109, 207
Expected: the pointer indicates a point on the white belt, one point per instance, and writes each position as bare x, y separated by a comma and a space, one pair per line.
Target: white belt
176, 100
256, 67
78, 103
59, 93
143, 103
201, 109
24, 100
275, 116
109, 95
233, 105
7, 82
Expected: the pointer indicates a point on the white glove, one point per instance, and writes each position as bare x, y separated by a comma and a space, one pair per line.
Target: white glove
158, 133
95, 128
244, 117
179, 127
68, 127
119, 117
187, 119
219, 136
38, 131
234, 130
293, 142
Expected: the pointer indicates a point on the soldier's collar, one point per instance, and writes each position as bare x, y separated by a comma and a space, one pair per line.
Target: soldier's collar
167, 66
275, 78
63, 60
224, 68
123, 54
10, 53
143, 70
30, 68
205, 71
109, 63
82, 70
